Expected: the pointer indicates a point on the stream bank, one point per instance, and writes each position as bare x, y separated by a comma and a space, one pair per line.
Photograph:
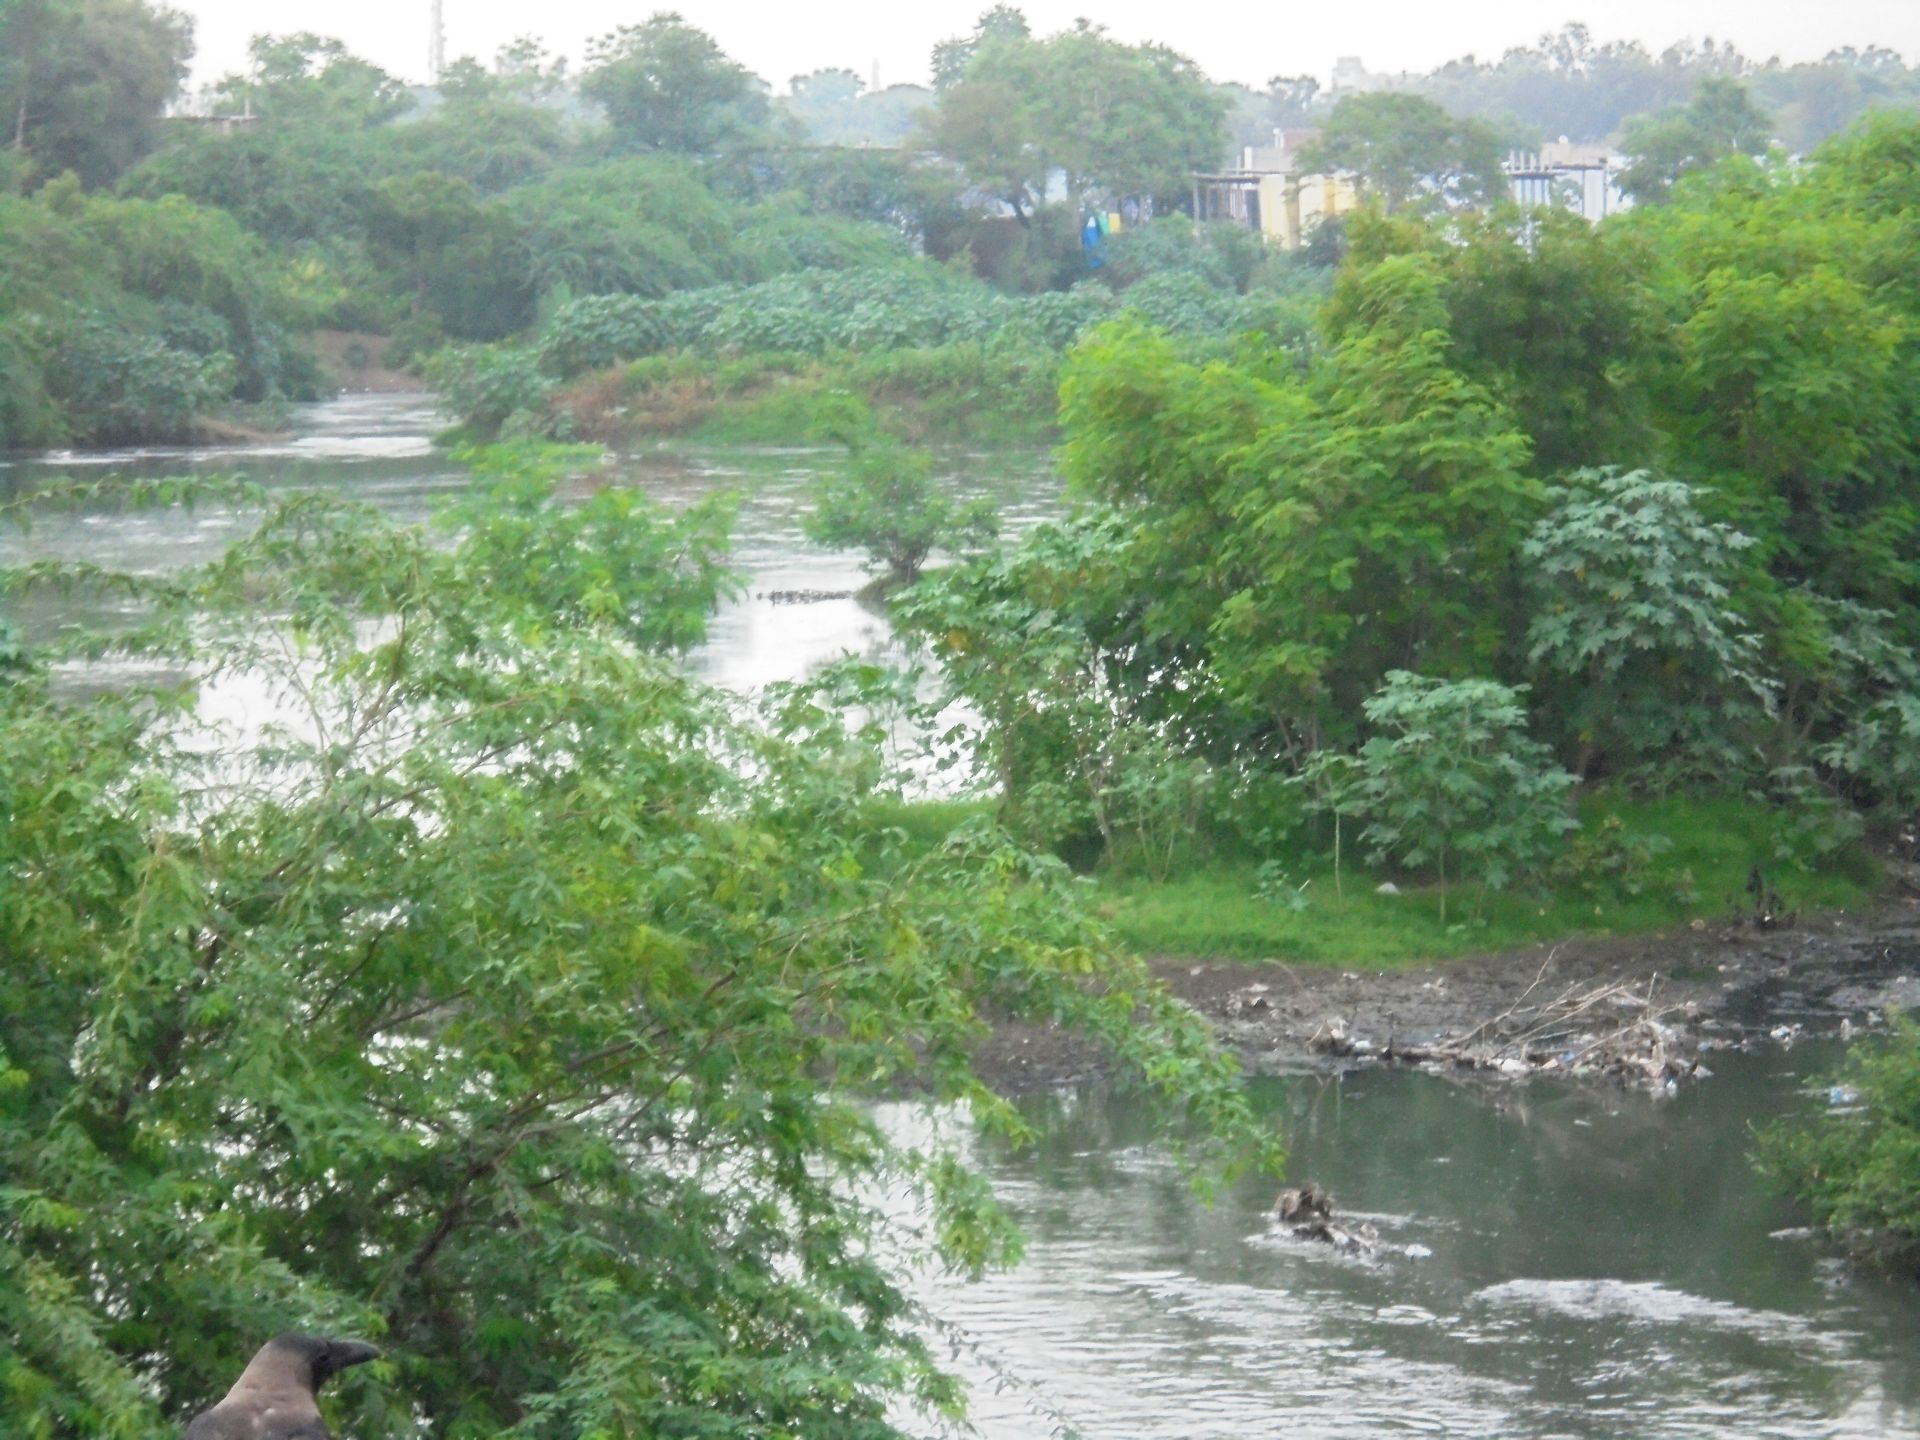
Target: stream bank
1736, 986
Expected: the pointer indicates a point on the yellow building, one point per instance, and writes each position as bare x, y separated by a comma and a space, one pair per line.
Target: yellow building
1283, 205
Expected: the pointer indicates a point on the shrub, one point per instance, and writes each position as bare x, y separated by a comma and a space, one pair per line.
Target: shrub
1451, 779
118, 387
496, 389
1858, 1165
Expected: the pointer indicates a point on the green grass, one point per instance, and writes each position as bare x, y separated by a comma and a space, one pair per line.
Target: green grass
1211, 909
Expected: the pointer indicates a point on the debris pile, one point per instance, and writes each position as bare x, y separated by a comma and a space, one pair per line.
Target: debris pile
1616, 1031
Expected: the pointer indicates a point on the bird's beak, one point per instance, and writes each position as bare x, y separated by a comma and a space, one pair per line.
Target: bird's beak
344, 1354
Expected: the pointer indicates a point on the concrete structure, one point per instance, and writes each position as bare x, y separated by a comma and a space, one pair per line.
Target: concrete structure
1283, 205
1582, 178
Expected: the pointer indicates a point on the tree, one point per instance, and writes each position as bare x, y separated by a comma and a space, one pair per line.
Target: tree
452, 253
1291, 100
1857, 1166
952, 57
1631, 617
83, 82
666, 86
1409, 152
1113, 119
310, 79
1450, 778
887, 503
1720, 120
1306, 533
509, 997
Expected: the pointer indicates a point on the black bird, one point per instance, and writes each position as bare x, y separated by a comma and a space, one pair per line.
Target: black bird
273, 1398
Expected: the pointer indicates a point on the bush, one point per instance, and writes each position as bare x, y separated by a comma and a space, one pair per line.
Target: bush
496, 389
118, 387
1858, 1164
601, 331
1452, 780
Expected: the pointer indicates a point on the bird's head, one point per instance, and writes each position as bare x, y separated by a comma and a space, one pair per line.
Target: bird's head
318, 1357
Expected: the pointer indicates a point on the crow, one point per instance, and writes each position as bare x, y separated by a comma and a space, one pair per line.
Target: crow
273, 1398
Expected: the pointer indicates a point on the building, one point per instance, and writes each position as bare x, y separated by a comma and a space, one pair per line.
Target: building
1582, 178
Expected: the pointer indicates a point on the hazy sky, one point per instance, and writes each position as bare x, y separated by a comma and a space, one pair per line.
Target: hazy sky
1231, 41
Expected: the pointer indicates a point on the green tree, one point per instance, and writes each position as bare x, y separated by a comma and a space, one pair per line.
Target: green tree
83, 82
455, 255
1116, 119
887, 502
1450, 779
1409, 152
1857, 1166
508, 997
952, 57
1720, 120
642, 225
310, 79
1631, 615
1308, 533
666, 86
1081, 764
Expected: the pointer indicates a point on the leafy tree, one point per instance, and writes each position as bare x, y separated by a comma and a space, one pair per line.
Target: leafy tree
1450, 778
1550, 314
507, 996
1308, 533
832, 108
952, 57
1566, 83
886, 501
1023, 637
1116, 119
1409, 152
1631, 616
309, 79
456, 256
1720, 120
83, 82
666, 86
1291, 100
643, 225
485, 135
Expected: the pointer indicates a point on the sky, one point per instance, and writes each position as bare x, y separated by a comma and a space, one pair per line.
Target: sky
1231, 39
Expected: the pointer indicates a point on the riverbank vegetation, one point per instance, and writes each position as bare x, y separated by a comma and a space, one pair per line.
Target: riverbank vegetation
498, 991
508, 995
1856, 1161
1629, 507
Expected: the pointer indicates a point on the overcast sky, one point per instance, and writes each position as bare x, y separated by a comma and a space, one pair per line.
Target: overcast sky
1231, 39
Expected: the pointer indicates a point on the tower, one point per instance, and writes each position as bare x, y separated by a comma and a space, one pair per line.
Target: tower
436, 43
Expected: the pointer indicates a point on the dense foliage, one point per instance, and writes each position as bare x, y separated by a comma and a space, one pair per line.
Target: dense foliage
499, 992
1652, 476
1859, 1169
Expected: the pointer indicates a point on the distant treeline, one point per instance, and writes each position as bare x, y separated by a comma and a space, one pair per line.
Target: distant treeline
154, 269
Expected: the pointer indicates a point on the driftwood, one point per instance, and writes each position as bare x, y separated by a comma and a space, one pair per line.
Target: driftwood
1616, 1031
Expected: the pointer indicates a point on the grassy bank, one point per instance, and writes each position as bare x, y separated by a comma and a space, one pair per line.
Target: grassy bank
1291, 906
962, 393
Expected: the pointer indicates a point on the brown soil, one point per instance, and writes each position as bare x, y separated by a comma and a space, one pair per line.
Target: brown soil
1740, 983
354, 363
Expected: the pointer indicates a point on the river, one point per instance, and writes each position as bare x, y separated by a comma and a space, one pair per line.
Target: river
1570, 1262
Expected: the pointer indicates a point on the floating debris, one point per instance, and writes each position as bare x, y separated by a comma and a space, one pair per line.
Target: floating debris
1306, 1212
804, 597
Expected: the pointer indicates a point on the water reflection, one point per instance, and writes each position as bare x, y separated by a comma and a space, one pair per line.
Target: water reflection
1600, 1265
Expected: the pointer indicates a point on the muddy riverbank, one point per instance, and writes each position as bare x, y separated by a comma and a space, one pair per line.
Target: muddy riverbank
1728, 984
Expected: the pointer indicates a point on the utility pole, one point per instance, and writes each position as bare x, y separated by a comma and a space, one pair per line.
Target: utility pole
436, 44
